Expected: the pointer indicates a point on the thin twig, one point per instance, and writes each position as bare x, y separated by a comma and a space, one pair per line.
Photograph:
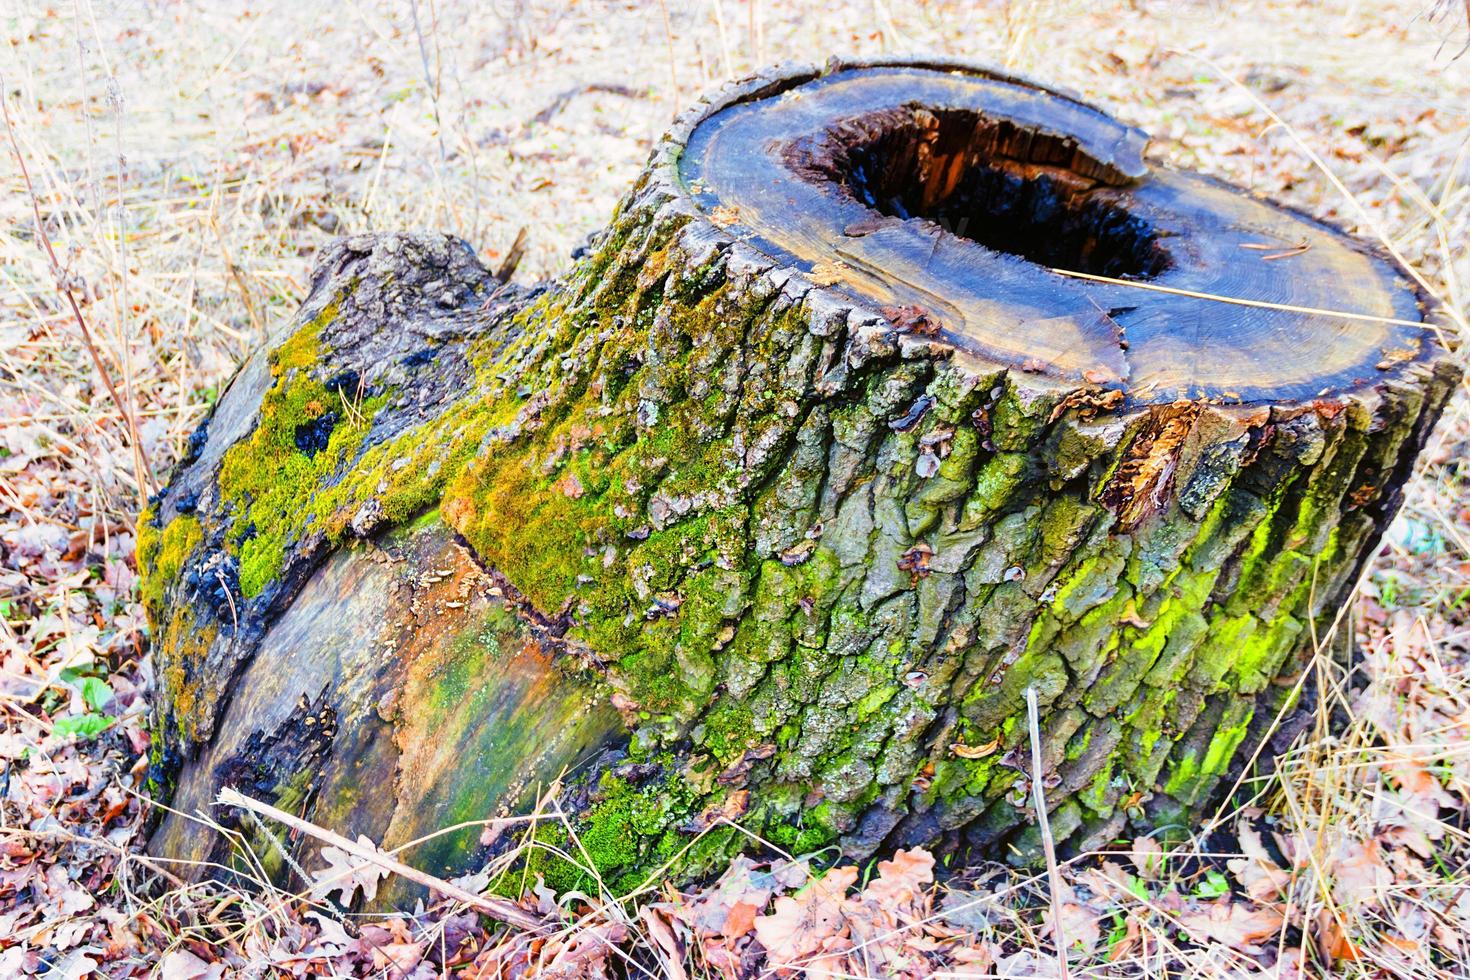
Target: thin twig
494, 907
1237, 301
560, 102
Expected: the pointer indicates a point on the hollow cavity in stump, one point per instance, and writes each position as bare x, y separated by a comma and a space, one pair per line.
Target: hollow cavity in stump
854, 424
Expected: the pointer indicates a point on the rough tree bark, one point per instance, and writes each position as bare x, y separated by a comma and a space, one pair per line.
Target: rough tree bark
855, 422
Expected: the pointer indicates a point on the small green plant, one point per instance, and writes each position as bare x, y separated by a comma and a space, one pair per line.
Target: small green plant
1118, 933
1214, 885
95, 692
89, 725
1388, 590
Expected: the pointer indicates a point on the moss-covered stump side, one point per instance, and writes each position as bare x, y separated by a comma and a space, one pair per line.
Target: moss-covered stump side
788, 557
823, 561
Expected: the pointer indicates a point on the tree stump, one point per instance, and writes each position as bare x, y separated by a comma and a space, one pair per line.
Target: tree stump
891, 391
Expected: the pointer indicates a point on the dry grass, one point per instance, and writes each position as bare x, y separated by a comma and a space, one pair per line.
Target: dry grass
188, 157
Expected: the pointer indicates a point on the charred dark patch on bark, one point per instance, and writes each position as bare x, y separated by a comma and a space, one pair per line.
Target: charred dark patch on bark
285, 761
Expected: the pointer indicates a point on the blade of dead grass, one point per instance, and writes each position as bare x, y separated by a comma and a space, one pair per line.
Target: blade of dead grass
1154, 287
1043, 822
142, 472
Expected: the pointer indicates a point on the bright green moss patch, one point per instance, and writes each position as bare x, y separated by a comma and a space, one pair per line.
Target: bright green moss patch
304, 470
1259, 656
1227, 738
808, 832
304, 434
633, 835
994, 486
161, 556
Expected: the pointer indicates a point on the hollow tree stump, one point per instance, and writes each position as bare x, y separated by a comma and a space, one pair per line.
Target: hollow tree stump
890, 391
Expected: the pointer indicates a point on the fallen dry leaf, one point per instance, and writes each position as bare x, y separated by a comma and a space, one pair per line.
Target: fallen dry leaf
1147, 855
902, 880
1256, 871
1333, 942
346, 873
672, 961
1080, 927
180, 964
799, 927
1234, 923
398, 959
729, 909
1358, 873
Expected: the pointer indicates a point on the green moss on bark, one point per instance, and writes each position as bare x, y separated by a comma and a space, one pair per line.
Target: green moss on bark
161, 556
823, 566
304, 435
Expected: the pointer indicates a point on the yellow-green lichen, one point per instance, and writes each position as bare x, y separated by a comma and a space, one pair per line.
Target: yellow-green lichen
180, 653
161, 556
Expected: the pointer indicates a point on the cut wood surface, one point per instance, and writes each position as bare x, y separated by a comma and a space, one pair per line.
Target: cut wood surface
773, 508
1047, 182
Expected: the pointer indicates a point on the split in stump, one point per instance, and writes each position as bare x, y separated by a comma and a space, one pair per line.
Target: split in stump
890, 391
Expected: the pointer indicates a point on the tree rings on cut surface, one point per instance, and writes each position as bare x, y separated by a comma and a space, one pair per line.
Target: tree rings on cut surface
964, 199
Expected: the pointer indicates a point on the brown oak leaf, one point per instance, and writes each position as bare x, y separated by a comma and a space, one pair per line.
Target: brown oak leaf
346, 873
801, 927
